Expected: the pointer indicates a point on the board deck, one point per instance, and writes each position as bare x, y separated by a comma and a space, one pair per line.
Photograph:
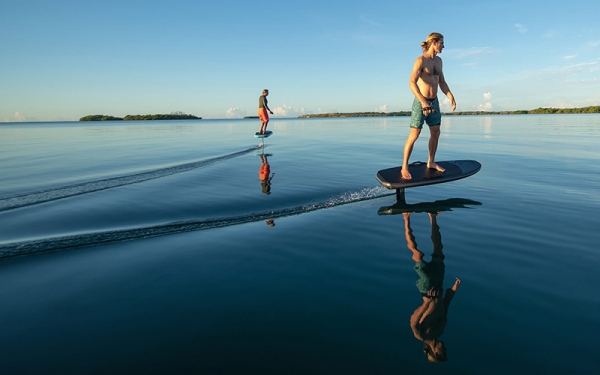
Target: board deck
391, 178
267, 134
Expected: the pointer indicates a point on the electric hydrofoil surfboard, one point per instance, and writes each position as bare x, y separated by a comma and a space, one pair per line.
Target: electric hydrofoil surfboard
391, 178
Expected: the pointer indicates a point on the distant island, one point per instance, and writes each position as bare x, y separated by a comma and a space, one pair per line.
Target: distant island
252, 117
356, 114
170, 116
537, 111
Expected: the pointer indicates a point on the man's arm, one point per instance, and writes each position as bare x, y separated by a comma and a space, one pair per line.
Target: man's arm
415, 319
267, 107
446, 90
450, 292
414, 78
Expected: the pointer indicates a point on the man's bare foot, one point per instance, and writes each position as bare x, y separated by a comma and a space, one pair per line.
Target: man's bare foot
405, 174
436, 167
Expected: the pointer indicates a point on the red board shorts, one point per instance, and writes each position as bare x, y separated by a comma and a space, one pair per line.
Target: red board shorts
263, 115
264, 171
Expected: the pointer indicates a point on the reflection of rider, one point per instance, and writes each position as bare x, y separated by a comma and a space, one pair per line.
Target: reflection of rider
263, 174
429, 320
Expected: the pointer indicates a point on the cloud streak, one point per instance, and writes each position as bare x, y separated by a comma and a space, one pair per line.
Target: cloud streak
521, 28
473, 52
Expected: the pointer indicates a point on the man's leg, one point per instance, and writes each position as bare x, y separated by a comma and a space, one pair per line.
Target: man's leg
408, 147
433, 143
436, 238
411, 243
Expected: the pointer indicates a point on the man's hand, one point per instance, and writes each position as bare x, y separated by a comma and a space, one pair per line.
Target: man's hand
456, 285
428, 110
433, 292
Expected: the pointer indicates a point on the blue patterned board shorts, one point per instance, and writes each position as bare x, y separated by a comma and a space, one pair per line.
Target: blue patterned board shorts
430, 275
417, 117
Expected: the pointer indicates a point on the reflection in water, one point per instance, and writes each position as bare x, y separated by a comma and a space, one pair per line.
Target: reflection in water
265, 175
429, 320
436, 206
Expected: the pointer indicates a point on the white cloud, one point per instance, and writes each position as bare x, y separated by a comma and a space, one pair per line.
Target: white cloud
521, 28
282, 111
445, 105
487, 95
235, 113
485, 107
19, 117
288, 111
570, 57
382, 108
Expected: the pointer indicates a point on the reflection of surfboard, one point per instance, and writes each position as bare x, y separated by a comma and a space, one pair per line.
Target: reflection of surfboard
437, 206
391, 178
267, 134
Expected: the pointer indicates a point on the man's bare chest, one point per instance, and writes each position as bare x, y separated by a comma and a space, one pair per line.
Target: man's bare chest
430, 69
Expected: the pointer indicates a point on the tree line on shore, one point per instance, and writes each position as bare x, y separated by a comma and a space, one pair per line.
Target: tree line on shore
170, 116
537, 111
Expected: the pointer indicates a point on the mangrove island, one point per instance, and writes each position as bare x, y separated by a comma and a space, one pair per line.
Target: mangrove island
170, 116
537, 111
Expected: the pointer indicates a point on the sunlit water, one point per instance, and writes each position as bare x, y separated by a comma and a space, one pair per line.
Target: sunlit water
144, 247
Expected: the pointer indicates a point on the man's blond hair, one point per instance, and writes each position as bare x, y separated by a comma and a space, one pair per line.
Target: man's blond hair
433, 37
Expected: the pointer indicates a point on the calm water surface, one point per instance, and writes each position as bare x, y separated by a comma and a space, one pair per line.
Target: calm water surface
145, 247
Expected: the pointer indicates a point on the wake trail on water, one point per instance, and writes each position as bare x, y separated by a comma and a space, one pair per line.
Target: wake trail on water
49, 195
23, 248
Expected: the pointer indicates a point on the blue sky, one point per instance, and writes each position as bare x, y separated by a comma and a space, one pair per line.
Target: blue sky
62, 60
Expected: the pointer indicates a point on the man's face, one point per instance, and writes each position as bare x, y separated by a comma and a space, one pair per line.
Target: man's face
438, 46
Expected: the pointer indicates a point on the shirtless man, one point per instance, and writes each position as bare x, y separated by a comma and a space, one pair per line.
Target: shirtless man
425, 78
429, 320
262, 111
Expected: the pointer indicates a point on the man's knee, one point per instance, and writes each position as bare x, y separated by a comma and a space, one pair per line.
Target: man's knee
414, 133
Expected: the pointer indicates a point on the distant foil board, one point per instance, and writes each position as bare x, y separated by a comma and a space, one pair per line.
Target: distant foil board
391, 178
267, 134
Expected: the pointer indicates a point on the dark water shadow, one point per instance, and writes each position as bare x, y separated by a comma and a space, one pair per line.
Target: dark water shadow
437, 206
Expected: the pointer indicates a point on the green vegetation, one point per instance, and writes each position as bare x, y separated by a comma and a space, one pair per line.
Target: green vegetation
170, 116
356, 114
592, 109
100, 118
